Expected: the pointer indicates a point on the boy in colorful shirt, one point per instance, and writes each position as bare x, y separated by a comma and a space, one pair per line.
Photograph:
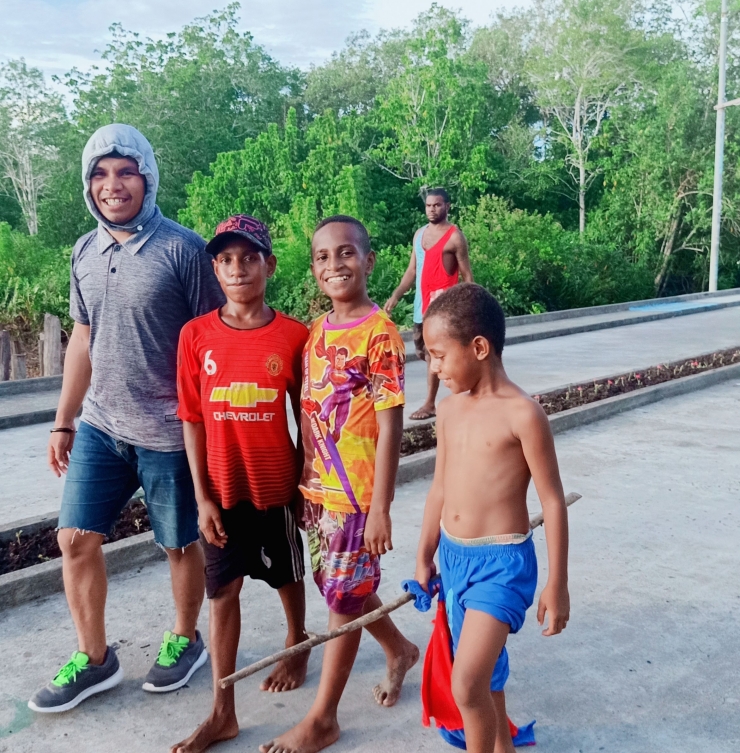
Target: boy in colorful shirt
352, 421
235, 367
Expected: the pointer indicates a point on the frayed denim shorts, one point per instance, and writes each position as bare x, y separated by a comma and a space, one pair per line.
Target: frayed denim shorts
103, 475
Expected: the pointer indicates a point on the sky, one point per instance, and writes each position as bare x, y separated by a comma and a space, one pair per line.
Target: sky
56, 35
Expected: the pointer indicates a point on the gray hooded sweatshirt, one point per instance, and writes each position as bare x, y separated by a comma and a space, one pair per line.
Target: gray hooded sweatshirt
127, 141
135, 296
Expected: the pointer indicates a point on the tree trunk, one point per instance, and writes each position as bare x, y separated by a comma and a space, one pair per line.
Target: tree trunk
6, 353
668, 243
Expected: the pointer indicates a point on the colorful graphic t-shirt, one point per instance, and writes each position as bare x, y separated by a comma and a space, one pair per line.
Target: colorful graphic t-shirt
350, 371
235, 382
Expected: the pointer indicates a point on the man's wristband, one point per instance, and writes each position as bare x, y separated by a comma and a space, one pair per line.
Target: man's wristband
64, 430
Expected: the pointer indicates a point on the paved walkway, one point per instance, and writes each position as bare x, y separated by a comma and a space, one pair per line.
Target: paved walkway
646, 663
47, 400
545, 364
636, 313
29, 489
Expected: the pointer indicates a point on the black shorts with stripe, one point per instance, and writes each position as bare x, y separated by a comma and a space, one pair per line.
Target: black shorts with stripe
262, 544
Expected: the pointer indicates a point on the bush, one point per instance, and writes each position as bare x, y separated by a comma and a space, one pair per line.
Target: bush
34, 280
531, 264
528, 261
390, 265
516, 255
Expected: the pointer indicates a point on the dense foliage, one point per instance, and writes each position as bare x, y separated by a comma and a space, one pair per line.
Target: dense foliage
576, 138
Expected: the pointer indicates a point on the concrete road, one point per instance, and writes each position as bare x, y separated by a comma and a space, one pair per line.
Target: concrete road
585, 355
647, 662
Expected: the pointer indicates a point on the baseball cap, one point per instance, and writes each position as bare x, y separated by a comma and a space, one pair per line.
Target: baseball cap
241, 225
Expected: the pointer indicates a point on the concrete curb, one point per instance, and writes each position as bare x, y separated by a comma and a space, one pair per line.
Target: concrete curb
27, 386
28, 526
46, 579
618, 374
43, 384
611, 308
575, 329
613, 406
15, 420
421, 464
416, 466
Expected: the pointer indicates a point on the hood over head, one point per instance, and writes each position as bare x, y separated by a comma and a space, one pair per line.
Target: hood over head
129, 142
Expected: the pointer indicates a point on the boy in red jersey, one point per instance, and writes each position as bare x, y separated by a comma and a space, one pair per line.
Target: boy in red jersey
352, 421
235, 367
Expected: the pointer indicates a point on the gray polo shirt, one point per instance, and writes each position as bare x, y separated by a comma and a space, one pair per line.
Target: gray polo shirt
136, 296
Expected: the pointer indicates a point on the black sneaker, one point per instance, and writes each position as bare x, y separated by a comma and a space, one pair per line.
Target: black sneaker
76, 681
179, 659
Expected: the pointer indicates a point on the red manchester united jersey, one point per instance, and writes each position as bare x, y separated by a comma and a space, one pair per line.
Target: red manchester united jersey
235, 382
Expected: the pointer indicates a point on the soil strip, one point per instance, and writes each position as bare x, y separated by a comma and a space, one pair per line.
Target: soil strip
424, 437
41, 546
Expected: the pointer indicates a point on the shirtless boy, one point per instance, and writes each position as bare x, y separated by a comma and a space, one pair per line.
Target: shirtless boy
439, 258
352, 422
492, 438
235, 367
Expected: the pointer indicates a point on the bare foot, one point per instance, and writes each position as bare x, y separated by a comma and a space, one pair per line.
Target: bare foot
425, 412
308, 736
289, 674
388, 691
213, 730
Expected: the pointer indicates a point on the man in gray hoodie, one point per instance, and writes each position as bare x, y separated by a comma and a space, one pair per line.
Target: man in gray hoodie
135, 280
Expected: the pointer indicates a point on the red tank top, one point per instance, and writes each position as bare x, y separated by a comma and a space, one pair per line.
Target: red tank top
434, 277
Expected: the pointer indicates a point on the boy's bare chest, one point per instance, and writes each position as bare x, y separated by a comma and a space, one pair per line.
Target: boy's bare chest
475, 433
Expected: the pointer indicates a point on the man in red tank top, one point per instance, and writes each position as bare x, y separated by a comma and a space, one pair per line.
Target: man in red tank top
439, 258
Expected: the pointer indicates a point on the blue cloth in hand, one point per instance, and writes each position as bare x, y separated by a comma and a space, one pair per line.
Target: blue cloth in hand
422, 598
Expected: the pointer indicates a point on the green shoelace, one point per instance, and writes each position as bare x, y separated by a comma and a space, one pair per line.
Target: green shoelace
171, 649
71, 669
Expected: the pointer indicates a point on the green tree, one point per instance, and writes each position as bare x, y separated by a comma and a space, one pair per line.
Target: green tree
259, 179
580, 64
197, 93
357, 75
438, 112
657, 154
282, 172
30, 118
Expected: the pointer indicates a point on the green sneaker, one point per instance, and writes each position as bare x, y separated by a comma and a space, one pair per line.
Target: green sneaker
179, 659
76, 681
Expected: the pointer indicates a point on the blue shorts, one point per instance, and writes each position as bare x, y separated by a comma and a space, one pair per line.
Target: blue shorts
103, 475
498, 579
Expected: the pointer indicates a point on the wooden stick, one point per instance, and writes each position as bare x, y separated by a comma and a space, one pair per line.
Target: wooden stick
536, 520
317, 640
357, 624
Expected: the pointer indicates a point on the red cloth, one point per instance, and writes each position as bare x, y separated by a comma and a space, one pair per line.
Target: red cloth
434, 276
436, 682
235, 382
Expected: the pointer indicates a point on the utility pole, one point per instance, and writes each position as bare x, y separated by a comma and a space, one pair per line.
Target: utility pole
719, 153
